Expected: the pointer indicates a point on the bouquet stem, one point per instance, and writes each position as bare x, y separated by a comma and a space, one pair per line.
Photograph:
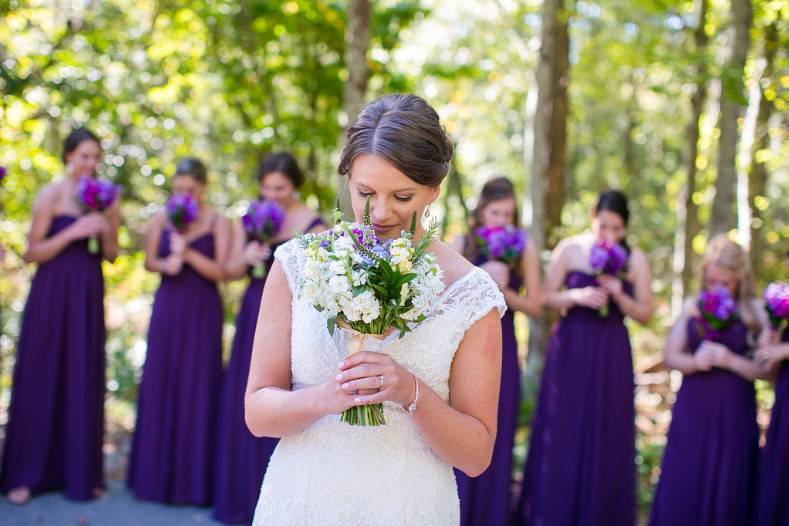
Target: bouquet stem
258, 271
362, 415
93, 245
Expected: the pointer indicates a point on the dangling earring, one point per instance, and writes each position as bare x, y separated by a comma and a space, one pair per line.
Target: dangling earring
427, 212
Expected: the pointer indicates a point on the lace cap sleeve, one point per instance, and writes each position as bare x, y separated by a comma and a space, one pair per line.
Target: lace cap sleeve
473, 297
291, 257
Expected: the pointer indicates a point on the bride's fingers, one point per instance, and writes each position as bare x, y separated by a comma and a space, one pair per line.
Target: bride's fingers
362, 357
361, 371
369, 383
375, 398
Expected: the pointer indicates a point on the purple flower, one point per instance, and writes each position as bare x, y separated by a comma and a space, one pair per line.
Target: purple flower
181, 209
776, 302
3, 173
96, 194
263, 220
502, 243
717, 309
607, 258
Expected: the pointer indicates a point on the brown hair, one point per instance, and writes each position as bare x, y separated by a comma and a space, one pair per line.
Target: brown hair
725, 253
496, 189
404, 130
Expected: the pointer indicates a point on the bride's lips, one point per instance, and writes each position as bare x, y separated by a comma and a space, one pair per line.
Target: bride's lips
383, 228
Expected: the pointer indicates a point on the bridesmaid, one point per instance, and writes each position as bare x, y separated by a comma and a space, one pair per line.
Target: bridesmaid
709, 464
241, 457
56, 418
485, 500
772, 498
580, 467
174, 444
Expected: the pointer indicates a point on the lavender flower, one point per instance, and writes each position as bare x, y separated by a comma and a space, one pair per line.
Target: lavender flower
181, 209
95, 195
262, 222
776, 302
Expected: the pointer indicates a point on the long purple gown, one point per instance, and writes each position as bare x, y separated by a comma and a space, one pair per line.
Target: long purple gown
709, 464
56, 419
486, 499
772, 500
580, 469
241, 457
174, 445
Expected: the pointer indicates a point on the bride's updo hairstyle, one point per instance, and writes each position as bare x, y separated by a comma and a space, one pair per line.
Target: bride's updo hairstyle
404, 130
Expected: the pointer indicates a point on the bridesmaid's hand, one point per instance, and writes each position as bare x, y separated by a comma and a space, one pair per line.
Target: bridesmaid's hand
500, 272
377, 374
611, 284
767, 338
177, 244
770, 356
255, 253
720, 355
703, 359
88, 225
173, 264
592, 297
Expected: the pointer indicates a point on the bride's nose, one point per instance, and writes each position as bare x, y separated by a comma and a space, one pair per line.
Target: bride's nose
380, 213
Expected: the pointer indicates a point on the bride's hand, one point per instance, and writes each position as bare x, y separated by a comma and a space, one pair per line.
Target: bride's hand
374, 378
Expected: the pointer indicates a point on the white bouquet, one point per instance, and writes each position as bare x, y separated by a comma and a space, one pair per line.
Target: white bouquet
367, 287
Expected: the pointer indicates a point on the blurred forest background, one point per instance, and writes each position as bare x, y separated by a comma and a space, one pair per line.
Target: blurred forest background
680, 103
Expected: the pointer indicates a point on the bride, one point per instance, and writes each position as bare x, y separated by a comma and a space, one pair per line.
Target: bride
439, 384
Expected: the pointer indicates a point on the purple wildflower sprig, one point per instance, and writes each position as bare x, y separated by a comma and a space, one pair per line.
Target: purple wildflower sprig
95, 195
263, 221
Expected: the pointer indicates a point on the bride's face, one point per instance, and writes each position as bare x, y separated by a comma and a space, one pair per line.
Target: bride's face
393, 196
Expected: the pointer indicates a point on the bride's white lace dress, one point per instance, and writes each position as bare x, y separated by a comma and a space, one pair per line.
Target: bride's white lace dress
333, 473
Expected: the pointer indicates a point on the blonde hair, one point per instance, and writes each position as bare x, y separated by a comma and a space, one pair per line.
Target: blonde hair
725, 253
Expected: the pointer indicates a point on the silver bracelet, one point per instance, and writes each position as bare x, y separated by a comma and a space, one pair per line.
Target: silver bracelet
411, 409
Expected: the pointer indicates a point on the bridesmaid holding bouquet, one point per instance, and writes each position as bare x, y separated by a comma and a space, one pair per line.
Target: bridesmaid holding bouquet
497, 245
580, 468
241, 457
55, 425
708, 471
174, 444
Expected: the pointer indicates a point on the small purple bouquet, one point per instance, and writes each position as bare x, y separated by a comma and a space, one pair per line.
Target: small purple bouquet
501, 243
607, 258
717, 310
262, 222
776, 303
181, 209
95, 195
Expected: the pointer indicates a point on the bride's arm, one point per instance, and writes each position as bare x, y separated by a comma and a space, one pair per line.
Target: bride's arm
271, 408
463, 431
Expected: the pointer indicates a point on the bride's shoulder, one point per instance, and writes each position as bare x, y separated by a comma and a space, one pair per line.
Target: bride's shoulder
453, 265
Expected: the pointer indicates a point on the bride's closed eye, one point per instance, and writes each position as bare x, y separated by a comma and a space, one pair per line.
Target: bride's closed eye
402, 199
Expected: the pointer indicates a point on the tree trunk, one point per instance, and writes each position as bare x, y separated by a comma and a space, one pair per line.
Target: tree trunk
548, 158
757, 180
357, 41
687, 212
722, 218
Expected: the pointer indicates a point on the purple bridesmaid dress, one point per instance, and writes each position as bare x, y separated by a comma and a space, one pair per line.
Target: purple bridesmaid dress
486, 500
56, 418
709, 464
241, 458
580, 469
174, 444
772, 500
